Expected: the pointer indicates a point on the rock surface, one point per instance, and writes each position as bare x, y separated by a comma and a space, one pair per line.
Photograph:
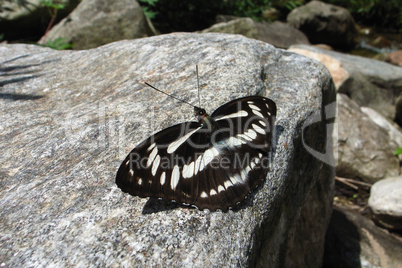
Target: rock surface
386, 202
94, 23
324, 23
368, 82
354, 241
277, 33
70, 117
365, 150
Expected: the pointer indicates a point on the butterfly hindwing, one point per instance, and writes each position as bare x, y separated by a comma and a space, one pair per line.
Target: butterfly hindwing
212, 164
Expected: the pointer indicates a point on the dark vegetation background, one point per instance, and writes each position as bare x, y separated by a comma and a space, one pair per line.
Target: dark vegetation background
193, 15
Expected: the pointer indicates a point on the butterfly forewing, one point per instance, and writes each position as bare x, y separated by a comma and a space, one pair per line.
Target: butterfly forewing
148, 169
212, 164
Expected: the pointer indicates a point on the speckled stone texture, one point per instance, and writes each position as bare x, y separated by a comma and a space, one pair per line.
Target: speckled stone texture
68, 119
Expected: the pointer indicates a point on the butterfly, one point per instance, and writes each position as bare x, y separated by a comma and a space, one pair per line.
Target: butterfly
210, 164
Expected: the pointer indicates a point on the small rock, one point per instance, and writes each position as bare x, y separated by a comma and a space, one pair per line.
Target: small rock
338, 72
368, 82
395, 58
353, 240
386, 202
225, 18
94, 23
325, 23
277, 33
364, 148
271, 14
394, 132
243, 26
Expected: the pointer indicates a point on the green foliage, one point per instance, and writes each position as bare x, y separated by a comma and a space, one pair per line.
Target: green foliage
193, 15
398, 151
183, 15
374, 12
289, 5
53, 4
248, 8
147, 11
59, 44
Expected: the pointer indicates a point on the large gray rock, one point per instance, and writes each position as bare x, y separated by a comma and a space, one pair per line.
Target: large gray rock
324, 23
28, 19
386, 202
355, 241
368, 82
95, 22
277, 33
365, 150
70, 117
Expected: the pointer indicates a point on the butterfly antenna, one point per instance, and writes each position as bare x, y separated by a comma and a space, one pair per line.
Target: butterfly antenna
168, 94
198, 86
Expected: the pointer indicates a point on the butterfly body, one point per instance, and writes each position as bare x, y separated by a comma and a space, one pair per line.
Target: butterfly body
213, 163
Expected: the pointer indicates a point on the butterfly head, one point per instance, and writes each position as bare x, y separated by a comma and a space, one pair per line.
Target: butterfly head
199, 112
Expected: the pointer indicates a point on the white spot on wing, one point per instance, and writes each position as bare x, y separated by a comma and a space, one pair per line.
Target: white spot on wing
257, 113
208, 156
188, 170
254, 107
247, 169
245, 137
151, 146
240, 113
252, 165
212, 192
197, 164
128, 162
243, 175
131, 172
152, 156
140, 181
220, 188
174, 180
163, 178
258, 129
233, 142
155, 165
203, 195
174, 145
227, 184
251, 134
236, 179
262, 123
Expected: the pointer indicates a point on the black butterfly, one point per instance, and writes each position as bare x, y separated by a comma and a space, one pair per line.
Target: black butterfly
210, 164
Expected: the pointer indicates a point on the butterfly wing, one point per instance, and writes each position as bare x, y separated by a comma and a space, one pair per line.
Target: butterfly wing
152, 170
242, 136
213, 165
